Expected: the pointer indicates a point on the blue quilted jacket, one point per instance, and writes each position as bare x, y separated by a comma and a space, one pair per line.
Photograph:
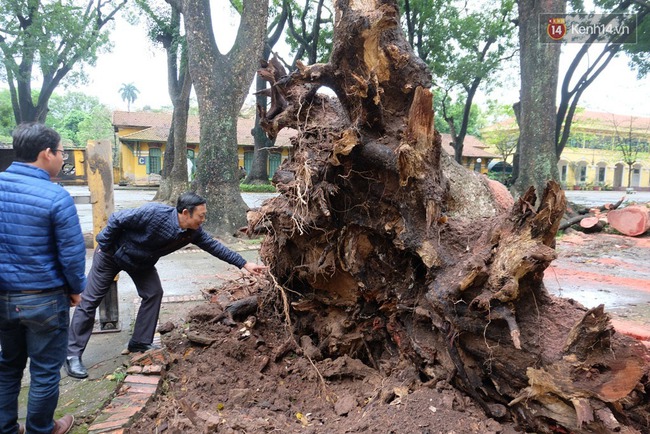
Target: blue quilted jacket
41, 243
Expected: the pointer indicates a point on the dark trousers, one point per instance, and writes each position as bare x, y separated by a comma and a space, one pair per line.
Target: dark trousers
33, 326
101, 276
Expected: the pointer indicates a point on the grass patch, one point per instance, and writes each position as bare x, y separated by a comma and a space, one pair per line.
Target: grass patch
257, 188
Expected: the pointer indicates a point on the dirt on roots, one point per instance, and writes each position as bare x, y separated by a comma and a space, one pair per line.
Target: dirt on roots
249, 375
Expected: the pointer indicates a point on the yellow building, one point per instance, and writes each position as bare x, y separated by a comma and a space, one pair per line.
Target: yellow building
141, 138
598, 151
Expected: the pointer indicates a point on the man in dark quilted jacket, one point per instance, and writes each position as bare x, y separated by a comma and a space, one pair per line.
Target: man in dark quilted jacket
133, 241
42, 265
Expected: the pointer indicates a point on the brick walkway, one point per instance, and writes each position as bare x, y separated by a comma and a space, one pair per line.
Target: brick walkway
140, 385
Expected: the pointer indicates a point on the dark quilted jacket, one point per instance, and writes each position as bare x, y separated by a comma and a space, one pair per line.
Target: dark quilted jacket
138, 237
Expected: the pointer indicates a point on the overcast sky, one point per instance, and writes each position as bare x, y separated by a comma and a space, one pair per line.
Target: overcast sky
135, 60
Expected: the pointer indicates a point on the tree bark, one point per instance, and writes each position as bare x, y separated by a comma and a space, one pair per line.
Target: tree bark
539, 77
388, 251
221, 82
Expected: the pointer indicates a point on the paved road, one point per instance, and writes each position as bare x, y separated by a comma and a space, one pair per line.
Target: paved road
597, 198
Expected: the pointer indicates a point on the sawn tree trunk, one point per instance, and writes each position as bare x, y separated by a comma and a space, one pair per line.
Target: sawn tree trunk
385, 248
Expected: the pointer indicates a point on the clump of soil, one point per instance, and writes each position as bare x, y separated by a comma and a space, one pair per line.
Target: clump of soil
253, 377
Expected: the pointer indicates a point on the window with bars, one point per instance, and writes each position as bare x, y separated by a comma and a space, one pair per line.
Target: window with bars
155, 160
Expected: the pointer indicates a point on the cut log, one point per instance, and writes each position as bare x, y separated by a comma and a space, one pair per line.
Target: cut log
591, 224
633, 220
573, 219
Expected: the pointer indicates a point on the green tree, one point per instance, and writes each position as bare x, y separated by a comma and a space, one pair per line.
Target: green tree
455, 109
97, 125
7, 121
79, 117
310, 31
221, 82
500, 136
464, 45
58, 38
164, 23
129, 93
628, 143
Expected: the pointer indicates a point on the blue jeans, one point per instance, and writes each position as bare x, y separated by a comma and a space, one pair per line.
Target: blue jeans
33, 326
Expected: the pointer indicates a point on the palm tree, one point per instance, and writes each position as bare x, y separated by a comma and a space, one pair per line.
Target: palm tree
129, 93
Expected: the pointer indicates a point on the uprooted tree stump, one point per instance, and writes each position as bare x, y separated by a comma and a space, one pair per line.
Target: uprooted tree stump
383, 246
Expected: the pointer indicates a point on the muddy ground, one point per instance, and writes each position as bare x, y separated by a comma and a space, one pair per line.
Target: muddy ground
249, 376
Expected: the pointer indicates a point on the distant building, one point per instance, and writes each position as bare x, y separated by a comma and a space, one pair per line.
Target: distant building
141, 138
475, 154
593, 158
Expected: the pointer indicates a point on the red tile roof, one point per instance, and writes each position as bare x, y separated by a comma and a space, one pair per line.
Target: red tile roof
472, 147
155, 128
589, 119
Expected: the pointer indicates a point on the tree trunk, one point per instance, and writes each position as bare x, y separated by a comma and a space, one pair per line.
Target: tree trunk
539, 77
258, 173
221, 83
387, 250
174, 179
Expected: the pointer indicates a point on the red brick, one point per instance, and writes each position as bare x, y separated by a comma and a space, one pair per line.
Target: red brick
141, 379
123, 413
113, 424
152, 370
142, 388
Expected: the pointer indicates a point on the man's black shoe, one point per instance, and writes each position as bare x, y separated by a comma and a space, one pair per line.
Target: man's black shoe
138, 347
75, 368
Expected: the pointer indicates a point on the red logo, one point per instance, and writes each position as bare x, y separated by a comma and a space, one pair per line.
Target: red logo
556, 28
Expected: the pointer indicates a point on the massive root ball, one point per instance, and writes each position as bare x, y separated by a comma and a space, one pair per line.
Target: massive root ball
386, 249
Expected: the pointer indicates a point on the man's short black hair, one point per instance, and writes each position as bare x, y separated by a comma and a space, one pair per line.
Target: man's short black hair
189, 201
29, 139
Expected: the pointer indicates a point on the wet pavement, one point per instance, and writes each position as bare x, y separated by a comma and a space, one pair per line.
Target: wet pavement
598, 198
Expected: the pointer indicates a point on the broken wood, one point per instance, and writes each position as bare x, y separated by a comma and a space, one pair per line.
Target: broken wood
390, 251
242, 307
200, 339
632, 220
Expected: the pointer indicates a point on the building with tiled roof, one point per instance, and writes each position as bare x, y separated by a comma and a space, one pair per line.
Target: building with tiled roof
143, 137
593, 157
475, 154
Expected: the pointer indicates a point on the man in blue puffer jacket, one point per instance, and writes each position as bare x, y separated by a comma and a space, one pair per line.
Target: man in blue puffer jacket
42, 265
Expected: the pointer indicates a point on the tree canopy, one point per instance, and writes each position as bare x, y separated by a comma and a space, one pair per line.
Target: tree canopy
48, 42
464, 44
79, 118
